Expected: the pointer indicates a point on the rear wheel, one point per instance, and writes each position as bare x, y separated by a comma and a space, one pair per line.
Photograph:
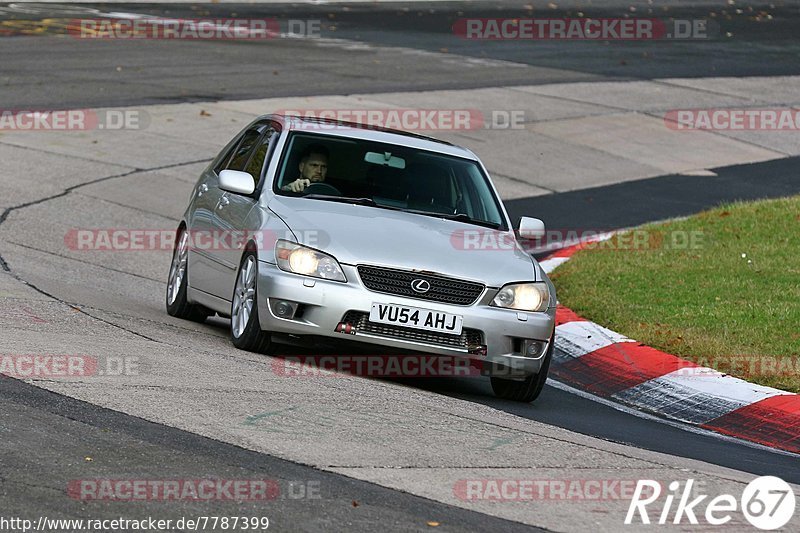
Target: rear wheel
246, 332
528, 389
177, 304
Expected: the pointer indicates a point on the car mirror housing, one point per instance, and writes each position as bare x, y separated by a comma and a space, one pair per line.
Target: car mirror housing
531, 228
237, 182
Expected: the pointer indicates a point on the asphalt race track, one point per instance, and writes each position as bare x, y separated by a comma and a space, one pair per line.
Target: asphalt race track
350, 453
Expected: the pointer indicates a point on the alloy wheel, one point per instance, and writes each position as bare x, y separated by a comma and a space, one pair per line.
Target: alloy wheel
244, 296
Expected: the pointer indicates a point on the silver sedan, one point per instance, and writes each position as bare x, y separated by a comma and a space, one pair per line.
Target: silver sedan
309, 230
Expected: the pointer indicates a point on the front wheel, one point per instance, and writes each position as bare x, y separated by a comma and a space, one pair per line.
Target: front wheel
530, 388
177, 304
246, 332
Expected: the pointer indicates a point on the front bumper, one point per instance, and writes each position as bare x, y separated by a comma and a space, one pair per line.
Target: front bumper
325, 303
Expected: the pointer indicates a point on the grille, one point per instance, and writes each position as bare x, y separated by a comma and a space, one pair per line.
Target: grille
469, 337
445, 290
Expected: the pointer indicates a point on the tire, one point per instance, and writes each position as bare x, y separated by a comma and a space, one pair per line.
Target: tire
530, 388
178, 280
246, 332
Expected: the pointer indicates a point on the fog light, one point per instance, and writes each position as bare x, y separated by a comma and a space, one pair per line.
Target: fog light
477, 349
283, 308
534, 349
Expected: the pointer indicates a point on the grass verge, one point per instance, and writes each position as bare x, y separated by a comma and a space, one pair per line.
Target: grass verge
720, 288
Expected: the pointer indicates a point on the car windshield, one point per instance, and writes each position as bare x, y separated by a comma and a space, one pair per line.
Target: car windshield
324, 167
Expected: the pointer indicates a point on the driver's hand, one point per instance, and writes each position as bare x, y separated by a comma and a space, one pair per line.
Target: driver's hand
299, 185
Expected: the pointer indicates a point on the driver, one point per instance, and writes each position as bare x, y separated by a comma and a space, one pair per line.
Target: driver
313, 168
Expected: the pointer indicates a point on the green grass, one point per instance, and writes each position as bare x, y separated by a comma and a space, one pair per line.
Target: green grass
730, 299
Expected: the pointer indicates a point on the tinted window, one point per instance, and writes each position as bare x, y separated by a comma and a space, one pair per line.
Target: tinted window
242, 153
222, 160
406, 178
256, 164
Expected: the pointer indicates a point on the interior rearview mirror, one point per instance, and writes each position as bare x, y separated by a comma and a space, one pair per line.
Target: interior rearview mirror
236, 181
385, 159
531, 228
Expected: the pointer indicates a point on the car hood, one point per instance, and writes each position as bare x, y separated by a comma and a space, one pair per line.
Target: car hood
357, 234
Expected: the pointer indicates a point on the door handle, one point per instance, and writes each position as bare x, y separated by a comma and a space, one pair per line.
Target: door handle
201, 189
223, 202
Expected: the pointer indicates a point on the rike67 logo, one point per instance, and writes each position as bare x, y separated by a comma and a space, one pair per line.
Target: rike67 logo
767, 502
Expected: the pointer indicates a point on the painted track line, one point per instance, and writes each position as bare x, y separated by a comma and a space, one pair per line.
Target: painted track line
613, 368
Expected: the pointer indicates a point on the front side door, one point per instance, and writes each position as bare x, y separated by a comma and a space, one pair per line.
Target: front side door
234, 216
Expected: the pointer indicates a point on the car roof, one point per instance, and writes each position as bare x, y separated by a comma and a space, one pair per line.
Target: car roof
342, 128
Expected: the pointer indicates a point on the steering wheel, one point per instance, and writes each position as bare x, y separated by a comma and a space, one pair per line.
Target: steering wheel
322, 188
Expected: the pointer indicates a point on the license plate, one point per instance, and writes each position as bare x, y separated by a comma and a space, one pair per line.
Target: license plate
414, 317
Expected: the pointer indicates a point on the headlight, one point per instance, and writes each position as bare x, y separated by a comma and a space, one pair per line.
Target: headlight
523, 296
293, 257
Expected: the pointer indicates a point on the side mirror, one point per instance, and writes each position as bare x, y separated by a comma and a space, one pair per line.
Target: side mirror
236, 181
531, 228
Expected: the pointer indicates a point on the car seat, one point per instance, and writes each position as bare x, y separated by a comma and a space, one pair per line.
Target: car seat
429, 188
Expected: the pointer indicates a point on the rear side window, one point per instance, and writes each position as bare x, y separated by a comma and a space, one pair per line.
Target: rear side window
251, 151
261, 154
241, 155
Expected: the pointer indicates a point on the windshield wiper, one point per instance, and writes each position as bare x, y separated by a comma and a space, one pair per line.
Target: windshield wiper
461, 217
344, 199
353, 200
